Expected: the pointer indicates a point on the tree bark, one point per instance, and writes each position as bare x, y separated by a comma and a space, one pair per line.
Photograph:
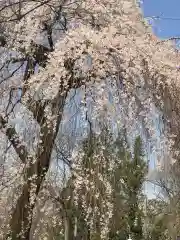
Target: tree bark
34, 175
68, 228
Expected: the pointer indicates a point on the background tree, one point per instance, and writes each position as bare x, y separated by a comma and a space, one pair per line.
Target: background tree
105, 163
128, 180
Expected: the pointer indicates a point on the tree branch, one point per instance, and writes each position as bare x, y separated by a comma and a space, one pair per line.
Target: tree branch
14, 139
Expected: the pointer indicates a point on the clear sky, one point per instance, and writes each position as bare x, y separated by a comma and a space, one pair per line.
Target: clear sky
169, 11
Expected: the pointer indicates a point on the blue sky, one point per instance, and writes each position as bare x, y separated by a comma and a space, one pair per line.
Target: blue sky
169, 11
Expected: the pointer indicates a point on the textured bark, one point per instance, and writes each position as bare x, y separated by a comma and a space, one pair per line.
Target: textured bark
69, 229
21, 214
67, 197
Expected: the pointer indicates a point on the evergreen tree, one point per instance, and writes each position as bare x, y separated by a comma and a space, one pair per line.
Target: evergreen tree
107, 183
128, 180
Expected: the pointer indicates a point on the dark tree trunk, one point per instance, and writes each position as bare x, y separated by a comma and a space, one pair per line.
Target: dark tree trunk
21, 220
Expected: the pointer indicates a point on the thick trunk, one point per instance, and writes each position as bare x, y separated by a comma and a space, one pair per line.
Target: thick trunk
69, 228
21, 220
69, 211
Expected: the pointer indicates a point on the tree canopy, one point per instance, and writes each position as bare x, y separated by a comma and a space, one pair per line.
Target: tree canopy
50, 49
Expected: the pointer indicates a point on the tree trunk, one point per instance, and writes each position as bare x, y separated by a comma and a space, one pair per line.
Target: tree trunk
69, 228
37, 167
21, 220
69, 215
20, 217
